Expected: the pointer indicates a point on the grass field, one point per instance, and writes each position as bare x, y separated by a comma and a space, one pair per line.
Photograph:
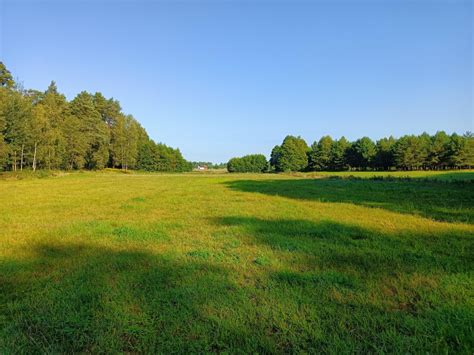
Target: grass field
109, 262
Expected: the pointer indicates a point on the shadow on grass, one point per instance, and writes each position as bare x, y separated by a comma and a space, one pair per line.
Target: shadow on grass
384, 292
443, 201
339, 289
454, 176
83, 298
346, 247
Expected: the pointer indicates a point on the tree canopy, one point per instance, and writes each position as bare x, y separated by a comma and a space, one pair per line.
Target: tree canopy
42, 130
409, 152
254, 163
292, 155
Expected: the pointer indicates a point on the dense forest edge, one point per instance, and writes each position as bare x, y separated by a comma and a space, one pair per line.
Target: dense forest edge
42, 130
410, 152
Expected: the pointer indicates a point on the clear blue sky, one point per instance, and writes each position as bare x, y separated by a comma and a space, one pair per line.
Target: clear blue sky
225, 78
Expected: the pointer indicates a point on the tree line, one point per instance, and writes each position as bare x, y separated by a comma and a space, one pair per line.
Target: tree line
43, 130
410, 152
254, 163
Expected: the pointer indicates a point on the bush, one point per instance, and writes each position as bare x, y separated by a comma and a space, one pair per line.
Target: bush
254, 163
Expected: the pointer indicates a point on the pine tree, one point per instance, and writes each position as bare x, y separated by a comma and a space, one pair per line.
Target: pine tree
76, 143
362, 153
384, 158
458, 151
320, 155
339, 151
437, 155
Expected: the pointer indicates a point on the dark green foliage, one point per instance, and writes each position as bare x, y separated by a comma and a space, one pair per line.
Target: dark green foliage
292, 155
275, 156
409, 152
362, 153
339, 151
159, 157
16, 113
458, 150
469, 149
321, 154
254, 163
437, 156
92, 129
384, 158
74, 156
41, 130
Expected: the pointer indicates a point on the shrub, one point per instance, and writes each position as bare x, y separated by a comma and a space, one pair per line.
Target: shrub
254, 163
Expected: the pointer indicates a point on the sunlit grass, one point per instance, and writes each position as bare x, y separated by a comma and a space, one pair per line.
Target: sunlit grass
107, 262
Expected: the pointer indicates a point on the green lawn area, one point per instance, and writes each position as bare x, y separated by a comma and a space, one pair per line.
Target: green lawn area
109, 262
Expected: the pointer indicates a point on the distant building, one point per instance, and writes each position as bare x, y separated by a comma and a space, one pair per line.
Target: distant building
202, 167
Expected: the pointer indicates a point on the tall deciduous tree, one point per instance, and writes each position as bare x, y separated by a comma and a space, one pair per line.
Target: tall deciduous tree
3, 125
39, 128
93, 129
125, 142
275, 155
293, 155
56, 107
16, 114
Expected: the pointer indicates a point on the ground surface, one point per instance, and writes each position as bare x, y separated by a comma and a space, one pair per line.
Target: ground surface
108, 262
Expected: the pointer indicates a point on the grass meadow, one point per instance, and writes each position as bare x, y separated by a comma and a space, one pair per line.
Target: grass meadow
176, 263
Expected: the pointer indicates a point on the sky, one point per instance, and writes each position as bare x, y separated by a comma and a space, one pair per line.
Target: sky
220, 79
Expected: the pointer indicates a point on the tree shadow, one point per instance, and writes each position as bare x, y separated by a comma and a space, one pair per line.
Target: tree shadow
438, 200
84, 298
368, 291
328, 244
66, 298
454, 176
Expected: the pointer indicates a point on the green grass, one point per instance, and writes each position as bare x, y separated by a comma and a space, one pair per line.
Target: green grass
106, 262
444, 175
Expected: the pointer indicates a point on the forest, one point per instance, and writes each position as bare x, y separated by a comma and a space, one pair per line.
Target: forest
410, 152
43, 130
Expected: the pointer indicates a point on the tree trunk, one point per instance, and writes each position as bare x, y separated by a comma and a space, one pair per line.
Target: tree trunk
122, 158
21, 159
34, 158
14, 162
